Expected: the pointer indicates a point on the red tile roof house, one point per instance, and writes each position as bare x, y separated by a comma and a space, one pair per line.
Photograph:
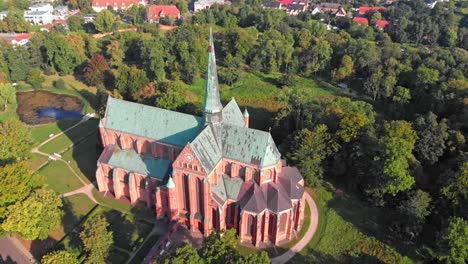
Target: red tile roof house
155, 12
366, 9
361, 20
16, 39
381, 23
99, 5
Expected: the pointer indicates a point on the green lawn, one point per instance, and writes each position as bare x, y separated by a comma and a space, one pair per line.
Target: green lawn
35, 161
59, 177
41, 133
339, 239
75, 207
112, 203
64, 141
83, 157
9, 113
145, 248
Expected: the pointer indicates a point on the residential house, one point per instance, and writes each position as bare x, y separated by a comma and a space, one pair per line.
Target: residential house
361, 21
273, 5
332, 8
16, 39
295, 9
366, 9
155, 12
60, 12
49, 26
381, 23
200, 5
39, 14
99, 5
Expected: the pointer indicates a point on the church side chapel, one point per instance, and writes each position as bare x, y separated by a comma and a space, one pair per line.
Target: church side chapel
210, 172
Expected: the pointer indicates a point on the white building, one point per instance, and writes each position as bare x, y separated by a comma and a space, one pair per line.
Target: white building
99, 5
39, 14
60, 12
3, 15
199, 5
89, 18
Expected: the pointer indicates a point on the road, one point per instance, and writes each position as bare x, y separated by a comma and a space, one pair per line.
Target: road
9, 248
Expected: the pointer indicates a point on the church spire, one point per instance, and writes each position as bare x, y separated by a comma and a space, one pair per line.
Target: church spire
212, 106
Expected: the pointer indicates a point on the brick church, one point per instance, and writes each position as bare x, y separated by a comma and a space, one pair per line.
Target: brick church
206, 172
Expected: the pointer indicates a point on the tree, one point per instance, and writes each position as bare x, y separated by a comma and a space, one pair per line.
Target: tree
97, 239
169, 96
453, 247
17, 60
7, 94
59, 257
16, 183
456, 187
115, 53
104, 21
15, 141
310, 149
61, 55
413, 213
397, 144
95, 70
345, 70
130, 80
27, 218
35, 78
75, 23
426, 76
431, 138
186, 254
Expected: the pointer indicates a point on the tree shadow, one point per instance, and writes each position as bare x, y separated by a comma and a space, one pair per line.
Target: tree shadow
313, 256
122, 229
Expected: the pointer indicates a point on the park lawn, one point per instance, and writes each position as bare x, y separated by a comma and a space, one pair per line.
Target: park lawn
110, 202
41, 132
36, 161
339, 239
83, 157
59, 177
72, 136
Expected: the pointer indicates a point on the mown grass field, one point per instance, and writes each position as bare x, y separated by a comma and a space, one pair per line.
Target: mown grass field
42, 132
59, 177
341, 238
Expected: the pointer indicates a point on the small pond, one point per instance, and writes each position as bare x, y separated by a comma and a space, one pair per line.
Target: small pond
41, 107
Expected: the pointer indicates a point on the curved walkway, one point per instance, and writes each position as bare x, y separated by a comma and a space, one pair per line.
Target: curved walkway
307, 237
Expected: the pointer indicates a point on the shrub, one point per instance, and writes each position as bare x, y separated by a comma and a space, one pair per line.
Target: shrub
35, 78
59, 84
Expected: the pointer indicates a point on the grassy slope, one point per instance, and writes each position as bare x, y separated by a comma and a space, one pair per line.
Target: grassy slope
340, 238
41, 133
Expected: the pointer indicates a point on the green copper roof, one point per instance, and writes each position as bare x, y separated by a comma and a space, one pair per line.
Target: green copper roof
132, 161
249, 145
212, 102
227, 188
206, 148
151, 122
232, 114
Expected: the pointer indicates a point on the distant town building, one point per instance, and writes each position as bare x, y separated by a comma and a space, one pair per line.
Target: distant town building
208, 173
99, 5
272, 5
89, 18
49, 26
332, 8
16, 39
60, 12
155, 12
432, 3
366, 9
3, 15
295, 9
200, 5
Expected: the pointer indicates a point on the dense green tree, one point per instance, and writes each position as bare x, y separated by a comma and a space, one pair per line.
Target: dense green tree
61, 55
413, 213
169, 95
397, 144
345, 70
18, 65
15, 141
432, 136
130, 80
454, 243
7, 95
104, 21
115, 53
153, 57
59, 257
97, 239
27, 218
16, 183
312, 147
186, 254
35, 78
455, 188
75, 22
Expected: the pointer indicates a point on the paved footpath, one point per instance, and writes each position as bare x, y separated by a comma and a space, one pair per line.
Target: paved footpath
307, 237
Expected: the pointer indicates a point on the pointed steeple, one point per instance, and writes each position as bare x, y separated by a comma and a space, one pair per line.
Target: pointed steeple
212, 106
